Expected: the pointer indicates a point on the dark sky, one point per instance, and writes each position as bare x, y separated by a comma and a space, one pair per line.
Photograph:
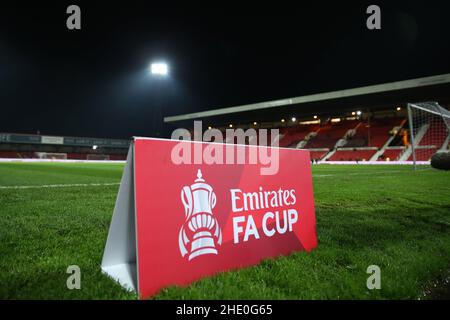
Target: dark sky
94, 82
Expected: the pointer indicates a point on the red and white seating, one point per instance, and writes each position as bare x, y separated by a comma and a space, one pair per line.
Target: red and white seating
379, 132
435, 135
328, 135
391, 154
292, 136
317, 154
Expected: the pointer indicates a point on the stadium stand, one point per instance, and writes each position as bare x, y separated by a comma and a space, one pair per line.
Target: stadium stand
353, 155
16, 155
379, 132
345, 139
317, 154
28, 146
117, 157
373, 116
77, 156
293, 135
329, 134
436, 132
9, 154
424, 154
391, 154
431, 136
349, 140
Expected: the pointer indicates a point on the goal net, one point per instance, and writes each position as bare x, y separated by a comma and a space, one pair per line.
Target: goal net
429, 126
51, 155
98, 157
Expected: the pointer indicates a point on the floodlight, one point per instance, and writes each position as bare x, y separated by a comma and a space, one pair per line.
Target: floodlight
94, 147
159, 68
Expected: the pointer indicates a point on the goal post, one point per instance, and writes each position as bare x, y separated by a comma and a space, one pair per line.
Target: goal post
429, 128
51, 155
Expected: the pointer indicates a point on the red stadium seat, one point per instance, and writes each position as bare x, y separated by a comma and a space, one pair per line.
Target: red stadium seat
292, 136
317, 155
379, 132
9, 154
436, 134
392, 154
423, 154
328, 135
352, 155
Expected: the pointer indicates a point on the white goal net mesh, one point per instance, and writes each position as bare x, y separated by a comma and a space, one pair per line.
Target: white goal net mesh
51, 155
429, 125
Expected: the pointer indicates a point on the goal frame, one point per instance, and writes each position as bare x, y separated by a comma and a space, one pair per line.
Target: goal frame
417, 105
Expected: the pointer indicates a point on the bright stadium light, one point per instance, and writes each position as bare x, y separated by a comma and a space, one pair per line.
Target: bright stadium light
94, 147
159, 68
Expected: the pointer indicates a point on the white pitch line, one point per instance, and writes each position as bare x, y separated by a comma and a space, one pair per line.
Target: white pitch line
118, 183
365, 173
62, 185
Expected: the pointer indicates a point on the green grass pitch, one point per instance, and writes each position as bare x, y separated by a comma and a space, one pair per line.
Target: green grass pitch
388, 216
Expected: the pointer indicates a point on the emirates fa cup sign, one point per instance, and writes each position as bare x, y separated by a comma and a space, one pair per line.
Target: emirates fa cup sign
175, 223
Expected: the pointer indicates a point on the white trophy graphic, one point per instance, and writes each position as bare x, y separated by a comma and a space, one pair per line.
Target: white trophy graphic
199, 199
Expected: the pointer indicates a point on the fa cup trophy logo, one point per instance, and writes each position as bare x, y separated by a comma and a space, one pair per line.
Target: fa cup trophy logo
202, 230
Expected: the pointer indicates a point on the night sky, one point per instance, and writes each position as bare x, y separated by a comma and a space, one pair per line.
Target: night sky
95, 81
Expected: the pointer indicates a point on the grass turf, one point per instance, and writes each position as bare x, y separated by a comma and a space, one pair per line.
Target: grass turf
383, 215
